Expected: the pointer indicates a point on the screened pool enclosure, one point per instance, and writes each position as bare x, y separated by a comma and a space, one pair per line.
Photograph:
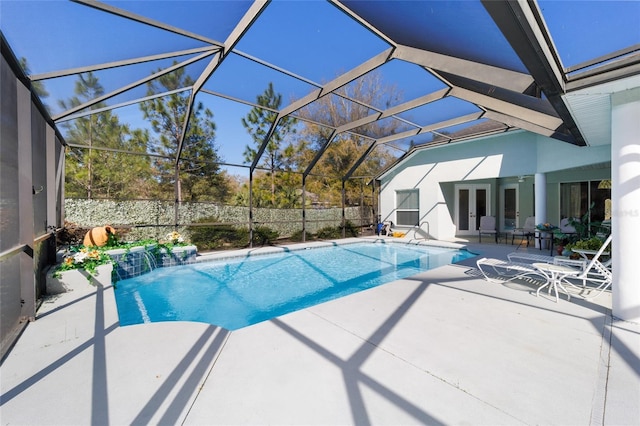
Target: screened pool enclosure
250, 115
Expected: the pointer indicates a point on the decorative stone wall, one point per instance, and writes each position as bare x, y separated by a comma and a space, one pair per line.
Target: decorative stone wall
154, 219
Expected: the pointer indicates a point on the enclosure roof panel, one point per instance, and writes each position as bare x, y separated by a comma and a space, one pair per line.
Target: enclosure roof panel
459, 29
395, 75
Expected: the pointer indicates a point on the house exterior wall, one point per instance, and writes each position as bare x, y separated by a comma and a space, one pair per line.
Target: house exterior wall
496, 160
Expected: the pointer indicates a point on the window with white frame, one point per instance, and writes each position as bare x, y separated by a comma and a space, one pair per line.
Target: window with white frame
407, 207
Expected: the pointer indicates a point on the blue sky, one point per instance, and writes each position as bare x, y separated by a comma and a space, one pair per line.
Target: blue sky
586, 29
310, 38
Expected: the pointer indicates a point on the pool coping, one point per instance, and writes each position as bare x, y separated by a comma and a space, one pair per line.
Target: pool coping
259, 251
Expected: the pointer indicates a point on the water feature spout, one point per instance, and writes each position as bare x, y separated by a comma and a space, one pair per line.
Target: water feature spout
151, 260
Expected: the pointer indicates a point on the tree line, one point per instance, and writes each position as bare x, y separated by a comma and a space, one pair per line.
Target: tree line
109, 159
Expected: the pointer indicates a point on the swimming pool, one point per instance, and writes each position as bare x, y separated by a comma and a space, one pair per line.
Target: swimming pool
237, 292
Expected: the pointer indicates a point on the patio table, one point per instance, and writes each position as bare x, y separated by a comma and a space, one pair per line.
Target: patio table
555, 274
545, 236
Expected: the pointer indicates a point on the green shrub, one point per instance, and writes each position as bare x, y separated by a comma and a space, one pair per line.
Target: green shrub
218, 236
350, 230
335, 232
297, 236
329, 233
263, 235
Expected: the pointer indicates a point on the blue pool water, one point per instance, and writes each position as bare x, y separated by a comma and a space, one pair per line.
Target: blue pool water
237, 292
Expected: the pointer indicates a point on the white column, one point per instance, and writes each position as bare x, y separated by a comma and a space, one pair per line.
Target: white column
541, 200
625, 197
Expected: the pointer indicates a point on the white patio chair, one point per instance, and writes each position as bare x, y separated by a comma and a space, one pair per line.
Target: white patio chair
527, 231
566, 227
487, 227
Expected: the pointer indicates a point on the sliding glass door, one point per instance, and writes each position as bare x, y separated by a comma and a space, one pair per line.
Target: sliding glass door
577, 197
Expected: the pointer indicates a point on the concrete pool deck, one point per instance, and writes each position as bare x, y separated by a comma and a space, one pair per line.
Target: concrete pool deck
442, 347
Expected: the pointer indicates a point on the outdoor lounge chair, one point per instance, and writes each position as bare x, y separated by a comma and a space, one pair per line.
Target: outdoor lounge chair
520, 265
527, 231
597, 272
487, 227
507, 270
530, 258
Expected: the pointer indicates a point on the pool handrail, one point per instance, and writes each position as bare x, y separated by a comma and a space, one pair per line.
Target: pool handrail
417, 228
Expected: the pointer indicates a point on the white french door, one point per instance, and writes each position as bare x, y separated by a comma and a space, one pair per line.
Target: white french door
472, 202
509, 207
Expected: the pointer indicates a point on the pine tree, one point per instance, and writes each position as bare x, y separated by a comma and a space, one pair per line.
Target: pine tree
198, 171
95, 173
257, 122
37, 86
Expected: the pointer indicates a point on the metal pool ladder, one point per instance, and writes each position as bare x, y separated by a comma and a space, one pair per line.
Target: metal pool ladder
417, 228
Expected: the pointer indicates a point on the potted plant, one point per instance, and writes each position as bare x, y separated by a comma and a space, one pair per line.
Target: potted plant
593, 243
560, 240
